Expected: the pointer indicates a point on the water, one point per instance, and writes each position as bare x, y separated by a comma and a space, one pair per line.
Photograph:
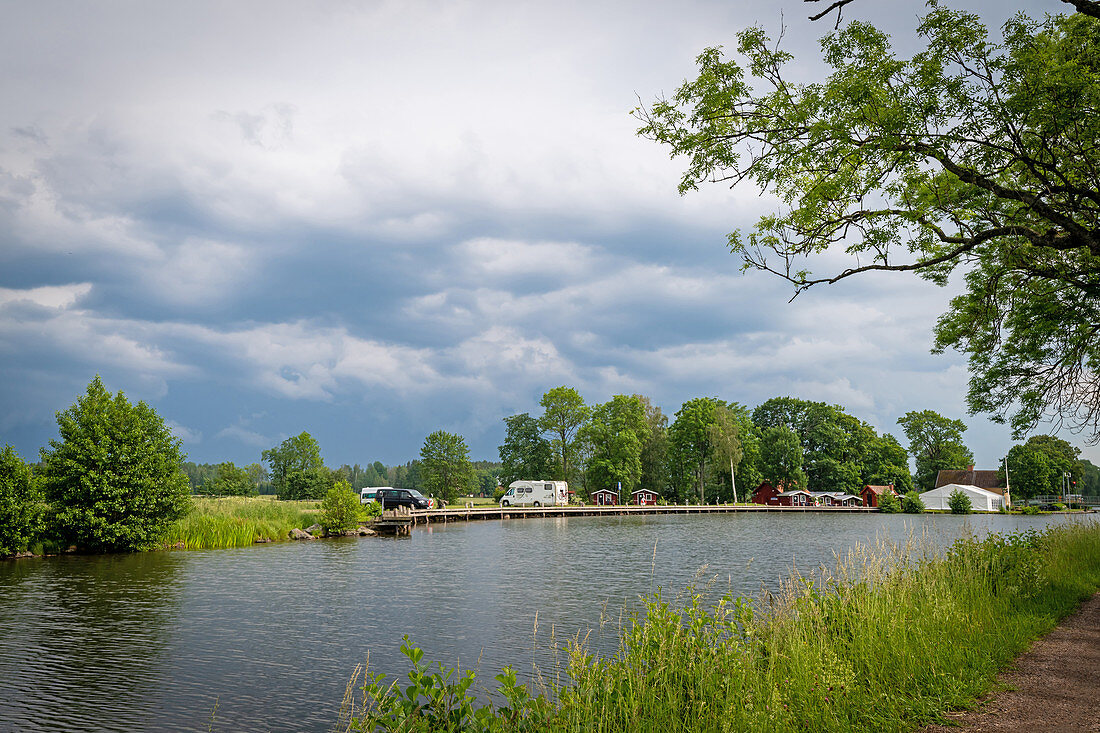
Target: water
265, 638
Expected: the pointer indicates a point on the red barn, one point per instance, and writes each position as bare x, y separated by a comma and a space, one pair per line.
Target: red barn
767, 494
643, 497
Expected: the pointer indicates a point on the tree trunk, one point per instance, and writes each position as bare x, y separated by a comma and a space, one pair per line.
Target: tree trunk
733, 482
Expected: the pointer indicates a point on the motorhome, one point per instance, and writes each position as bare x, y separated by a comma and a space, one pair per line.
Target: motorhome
536, 493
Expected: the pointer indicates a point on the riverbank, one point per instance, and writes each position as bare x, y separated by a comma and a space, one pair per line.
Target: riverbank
1054, 686
892, 639
238, 521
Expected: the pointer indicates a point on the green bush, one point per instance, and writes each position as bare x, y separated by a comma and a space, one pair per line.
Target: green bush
20, 504
911, 503
115, 479
340, 509
959, 502
370, 510
889, 504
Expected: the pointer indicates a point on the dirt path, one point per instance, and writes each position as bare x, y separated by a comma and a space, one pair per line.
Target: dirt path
1056, 684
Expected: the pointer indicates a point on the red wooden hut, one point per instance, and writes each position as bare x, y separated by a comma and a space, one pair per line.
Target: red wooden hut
870, 494
643, 497
605, 497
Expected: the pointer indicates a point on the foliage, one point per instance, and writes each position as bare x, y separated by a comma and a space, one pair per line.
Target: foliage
20, 504
230, 481
935, 442
889, 504
839, 451
1090, 479
972, 154
826, 653
340, 509
781, 458
655, 449
911, 503
238, 521
439, 699
370, 510
445, 461
725, 437
690, 436
564, 412
617, 430
297, 471
114, 479
1030, 473
959, 502
525, 454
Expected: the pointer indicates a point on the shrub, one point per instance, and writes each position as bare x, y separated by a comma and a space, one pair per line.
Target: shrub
959, 502
369, 511
115, 479
340, 508
889, 504
911, 503
20, 506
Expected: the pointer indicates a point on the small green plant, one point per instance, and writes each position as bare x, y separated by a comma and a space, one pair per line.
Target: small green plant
340, 509
438, 698
911, 503
959, 502
888, 503
369, 511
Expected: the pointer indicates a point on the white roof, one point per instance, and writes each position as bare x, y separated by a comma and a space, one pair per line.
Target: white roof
947, 489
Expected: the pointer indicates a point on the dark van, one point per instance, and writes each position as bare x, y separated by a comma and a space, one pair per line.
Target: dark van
391, 498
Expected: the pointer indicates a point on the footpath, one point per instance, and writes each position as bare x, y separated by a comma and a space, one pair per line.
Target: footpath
1055, 686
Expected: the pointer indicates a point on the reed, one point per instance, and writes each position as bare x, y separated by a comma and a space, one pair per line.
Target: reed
889, 639
235, 521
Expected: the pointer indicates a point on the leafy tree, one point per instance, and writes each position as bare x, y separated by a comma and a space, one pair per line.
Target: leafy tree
564, 412
525, 454
1089, 484
655, 449
445, 462
20, 504
839, 451
340, 509
959, 502
725, 436
617, 431
911, 503
257, 474
886, 463
230, 481
690, 434
935, 442
1030, 473
781, 458
975, 154
297, 471
115, 478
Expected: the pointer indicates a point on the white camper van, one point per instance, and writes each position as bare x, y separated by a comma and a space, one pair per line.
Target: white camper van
536, 493
370, 493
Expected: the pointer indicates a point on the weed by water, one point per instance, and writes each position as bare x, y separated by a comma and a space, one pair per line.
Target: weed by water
239, 522
891, 639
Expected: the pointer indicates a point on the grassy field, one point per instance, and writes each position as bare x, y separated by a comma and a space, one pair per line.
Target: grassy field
235, 521
890, 640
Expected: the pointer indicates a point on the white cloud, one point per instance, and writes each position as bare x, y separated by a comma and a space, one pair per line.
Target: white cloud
48, 296
184, 433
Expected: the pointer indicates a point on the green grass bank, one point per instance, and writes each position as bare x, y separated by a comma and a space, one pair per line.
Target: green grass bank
889, 640
234, 521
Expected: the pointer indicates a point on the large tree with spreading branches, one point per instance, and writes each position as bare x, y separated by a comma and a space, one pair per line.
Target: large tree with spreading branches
978, 156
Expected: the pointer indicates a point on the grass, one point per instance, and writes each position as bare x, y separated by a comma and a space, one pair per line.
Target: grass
889, 640
239, 521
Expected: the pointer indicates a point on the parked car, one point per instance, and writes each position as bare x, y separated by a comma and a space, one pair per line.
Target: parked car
369, 494
390, 498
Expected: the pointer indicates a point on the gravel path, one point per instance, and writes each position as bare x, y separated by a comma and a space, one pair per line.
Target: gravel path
1055, 686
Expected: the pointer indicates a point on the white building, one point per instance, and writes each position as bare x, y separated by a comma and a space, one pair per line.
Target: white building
981, 500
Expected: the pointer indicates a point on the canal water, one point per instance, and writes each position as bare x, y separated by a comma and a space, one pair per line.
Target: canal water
265, 638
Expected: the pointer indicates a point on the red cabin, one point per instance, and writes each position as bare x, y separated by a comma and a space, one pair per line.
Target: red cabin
643, 497
604, 497
870, 494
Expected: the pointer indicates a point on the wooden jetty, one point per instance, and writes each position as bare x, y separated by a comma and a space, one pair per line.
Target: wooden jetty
393, 521
469, 514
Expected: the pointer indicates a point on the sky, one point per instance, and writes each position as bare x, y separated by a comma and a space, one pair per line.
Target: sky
374, 220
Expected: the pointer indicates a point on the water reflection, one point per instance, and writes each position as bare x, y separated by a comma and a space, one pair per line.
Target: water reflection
268, 636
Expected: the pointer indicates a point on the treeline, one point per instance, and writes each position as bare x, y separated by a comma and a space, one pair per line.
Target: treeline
713, 451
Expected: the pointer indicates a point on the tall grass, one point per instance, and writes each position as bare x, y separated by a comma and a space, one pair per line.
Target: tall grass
890, 640
234, 521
